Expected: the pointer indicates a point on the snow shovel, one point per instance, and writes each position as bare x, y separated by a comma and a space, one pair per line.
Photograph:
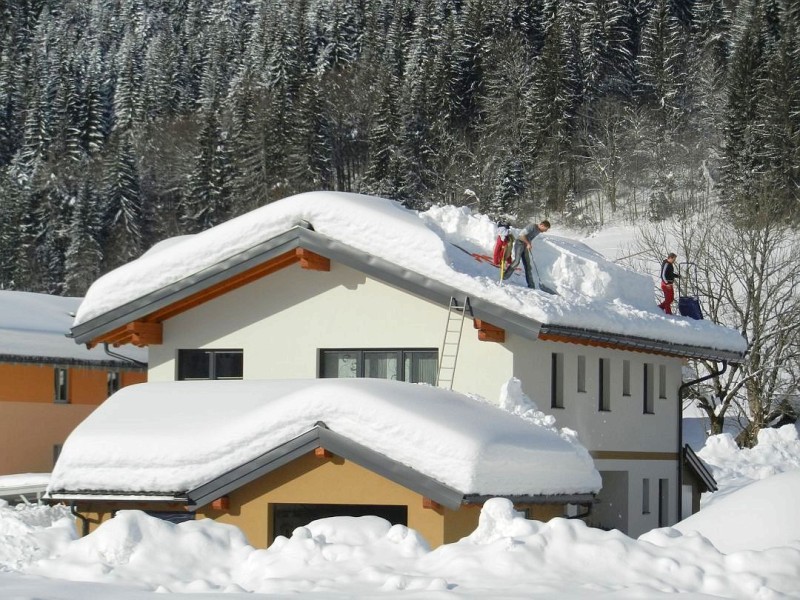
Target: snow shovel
688, 298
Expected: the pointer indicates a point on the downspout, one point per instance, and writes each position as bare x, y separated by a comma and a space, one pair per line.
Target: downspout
122, 357
684, 386
84, 521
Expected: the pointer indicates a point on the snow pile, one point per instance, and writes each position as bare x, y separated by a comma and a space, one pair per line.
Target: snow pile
593, 293
770, 502
445, 435
506, 557
31, 532
38, 324
777, 450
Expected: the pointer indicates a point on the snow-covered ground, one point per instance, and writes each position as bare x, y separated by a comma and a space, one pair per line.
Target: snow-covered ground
744, 545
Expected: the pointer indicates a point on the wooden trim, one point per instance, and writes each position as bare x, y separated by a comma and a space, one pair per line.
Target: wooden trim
488, 332
312, 261
137, 335
623, 455
322, 453
430, 504
567, 339
143, 333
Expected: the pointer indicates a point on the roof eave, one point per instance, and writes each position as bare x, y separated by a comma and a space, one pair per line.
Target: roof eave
302, 235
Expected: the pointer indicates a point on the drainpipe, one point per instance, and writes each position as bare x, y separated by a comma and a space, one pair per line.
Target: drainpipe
84, 520
121, 357
681, 390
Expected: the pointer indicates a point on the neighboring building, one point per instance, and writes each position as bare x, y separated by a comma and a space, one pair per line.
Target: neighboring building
270, 456
48, 384
338, 285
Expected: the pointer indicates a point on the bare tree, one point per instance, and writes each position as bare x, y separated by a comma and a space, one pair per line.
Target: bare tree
747, 275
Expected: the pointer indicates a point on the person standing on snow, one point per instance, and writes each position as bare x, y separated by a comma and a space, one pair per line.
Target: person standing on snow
668, 277
522, 249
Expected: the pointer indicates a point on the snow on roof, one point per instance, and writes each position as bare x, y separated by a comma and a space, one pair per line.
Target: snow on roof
36, 326
171, 437
593, 293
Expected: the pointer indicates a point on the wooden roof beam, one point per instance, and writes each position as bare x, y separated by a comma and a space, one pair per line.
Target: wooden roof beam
488, 332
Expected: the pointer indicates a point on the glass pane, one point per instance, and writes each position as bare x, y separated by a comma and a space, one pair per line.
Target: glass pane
381, 365
420, 367
340, 364
193, 364
229, 365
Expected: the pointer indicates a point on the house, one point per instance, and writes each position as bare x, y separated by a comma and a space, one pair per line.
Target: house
270, 455
332, 285
48, 384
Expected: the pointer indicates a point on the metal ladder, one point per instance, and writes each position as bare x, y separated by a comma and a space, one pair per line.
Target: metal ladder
456, 313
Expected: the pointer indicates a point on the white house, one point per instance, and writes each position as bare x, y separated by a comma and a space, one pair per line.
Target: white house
341, 285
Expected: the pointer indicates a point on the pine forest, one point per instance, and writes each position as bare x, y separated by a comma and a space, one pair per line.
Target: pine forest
123, 122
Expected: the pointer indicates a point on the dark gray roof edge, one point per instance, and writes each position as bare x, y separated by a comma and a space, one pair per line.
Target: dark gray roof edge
78, 362
220, 271
338, 444
645, 344
383, 270
696, 464
528, 499
299, 236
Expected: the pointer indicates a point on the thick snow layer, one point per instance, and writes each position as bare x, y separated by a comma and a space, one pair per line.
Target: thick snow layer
768, 501
134, 557
206, 428
777, 450
507, 556
592, 292
36, 325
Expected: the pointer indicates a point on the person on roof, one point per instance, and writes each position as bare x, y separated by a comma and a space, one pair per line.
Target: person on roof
522, 250
668, 277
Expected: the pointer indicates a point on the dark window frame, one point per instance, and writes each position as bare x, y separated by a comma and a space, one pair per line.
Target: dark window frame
212, 354
557, 380
604, 385
648, 391
61, 388
401, 353
581, 374
113, 382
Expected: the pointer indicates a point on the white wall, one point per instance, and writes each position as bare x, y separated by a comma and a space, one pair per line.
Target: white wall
282, 320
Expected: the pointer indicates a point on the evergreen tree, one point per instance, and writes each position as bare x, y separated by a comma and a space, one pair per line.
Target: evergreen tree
123, 213
83, 255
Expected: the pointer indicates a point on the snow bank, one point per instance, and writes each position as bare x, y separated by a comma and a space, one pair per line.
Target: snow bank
506, 557
448, 436
776, 451
593, 293
770, 505
31, 532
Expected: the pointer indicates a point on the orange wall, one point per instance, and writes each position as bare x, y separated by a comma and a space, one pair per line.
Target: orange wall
29, 430
312, 480
21, 382
31, 423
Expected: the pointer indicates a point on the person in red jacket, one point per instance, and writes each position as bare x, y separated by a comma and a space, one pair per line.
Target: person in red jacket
668, 276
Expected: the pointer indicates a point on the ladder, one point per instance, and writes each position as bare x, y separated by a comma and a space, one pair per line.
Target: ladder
456, 314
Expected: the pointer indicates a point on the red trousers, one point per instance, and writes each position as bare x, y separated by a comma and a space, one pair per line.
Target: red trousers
669, 297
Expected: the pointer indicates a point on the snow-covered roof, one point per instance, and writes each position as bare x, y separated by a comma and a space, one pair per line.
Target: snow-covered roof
34, 327
170, 438
435, 251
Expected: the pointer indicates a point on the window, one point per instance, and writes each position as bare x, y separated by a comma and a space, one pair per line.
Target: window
662, 381
581, 373
112, 382
557, 380
647, 392
210, 364
288, 517
626, 378
56, 452
663, 502
61, 386
414, 366
645, 496
173, 516
604, 384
